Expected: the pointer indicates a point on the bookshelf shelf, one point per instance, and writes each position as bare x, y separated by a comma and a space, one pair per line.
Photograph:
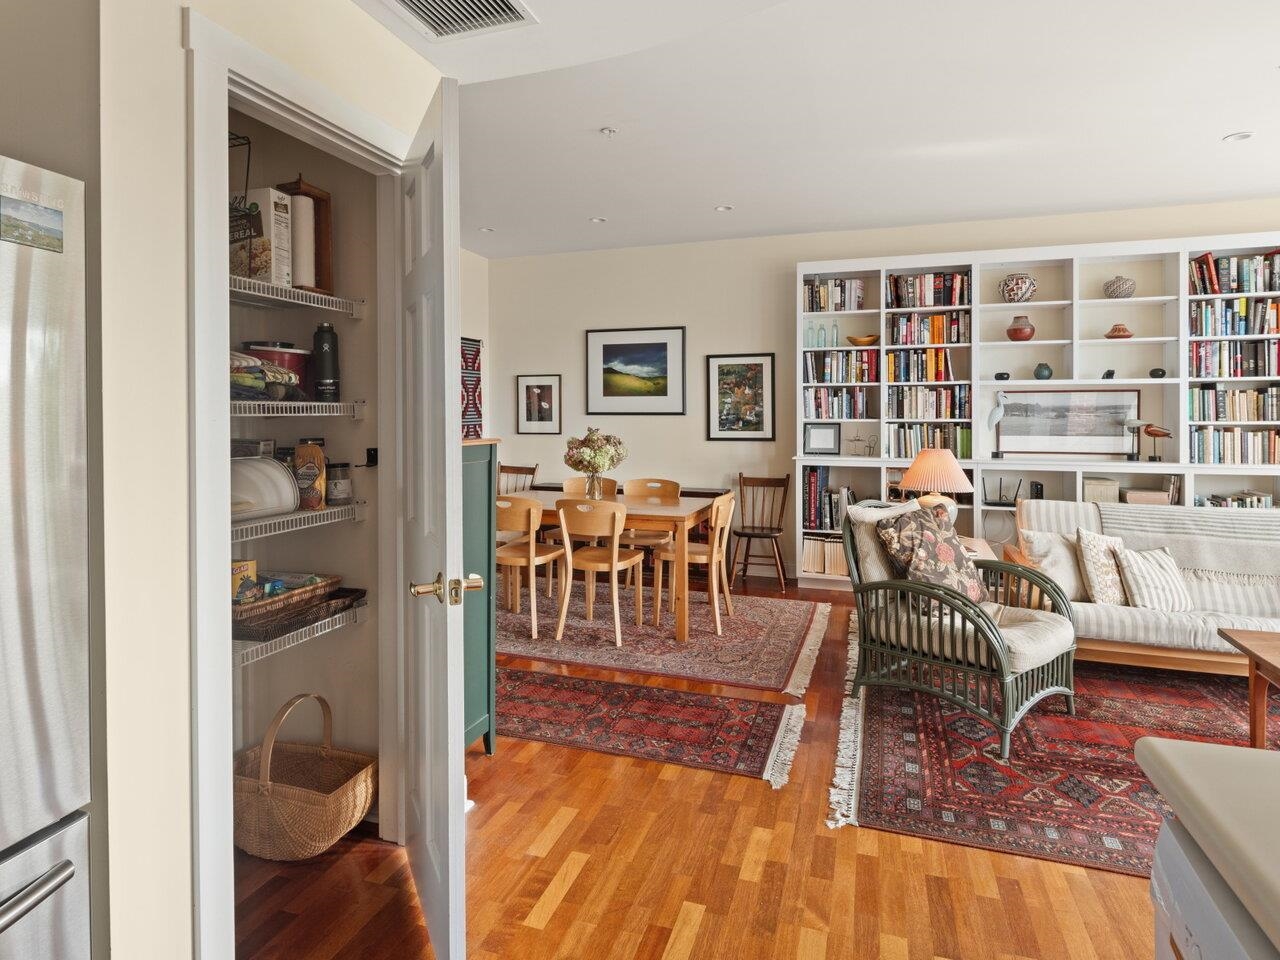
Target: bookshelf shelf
954, 308
1259, 295
1135, 301
988, 344
1003, 307
870, 312
1237, 336
1071, 317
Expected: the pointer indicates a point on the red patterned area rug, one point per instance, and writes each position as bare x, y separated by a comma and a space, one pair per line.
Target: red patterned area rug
728, 734
1071, 791
766, 645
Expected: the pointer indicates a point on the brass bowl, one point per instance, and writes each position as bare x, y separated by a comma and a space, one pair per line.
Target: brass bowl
868, 340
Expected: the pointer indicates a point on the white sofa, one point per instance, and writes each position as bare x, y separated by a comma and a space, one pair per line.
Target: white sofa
1229, 558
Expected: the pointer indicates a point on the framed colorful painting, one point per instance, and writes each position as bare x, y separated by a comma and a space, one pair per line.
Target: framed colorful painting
636, 371
740, 401
538, 403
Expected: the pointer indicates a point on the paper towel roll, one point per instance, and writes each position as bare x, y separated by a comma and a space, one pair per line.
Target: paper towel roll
304, 241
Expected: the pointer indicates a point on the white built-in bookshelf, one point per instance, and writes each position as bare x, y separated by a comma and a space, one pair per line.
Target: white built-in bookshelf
930, 379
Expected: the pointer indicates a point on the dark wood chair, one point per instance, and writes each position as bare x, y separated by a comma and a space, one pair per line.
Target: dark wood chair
763, 509
515, 479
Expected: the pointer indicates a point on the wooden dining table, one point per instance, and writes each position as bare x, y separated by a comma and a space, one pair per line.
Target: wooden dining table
675, 514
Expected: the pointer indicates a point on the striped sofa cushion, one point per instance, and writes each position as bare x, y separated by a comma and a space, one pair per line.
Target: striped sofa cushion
1184, 631
1153, 580
1058, 516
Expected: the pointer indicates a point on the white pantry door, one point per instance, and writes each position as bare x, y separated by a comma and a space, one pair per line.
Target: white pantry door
431, 492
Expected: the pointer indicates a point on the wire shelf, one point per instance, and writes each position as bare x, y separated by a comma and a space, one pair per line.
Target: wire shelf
297, 408
298, 520
270, 296
246, 652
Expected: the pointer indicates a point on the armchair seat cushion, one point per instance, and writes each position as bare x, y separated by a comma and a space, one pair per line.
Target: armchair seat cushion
1032, 637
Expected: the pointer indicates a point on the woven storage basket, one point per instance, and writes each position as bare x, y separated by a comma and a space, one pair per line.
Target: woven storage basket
295, 800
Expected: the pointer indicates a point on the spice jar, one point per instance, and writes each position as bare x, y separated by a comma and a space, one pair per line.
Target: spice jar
338, 490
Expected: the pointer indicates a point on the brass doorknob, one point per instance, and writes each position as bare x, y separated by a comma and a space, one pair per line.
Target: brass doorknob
433, 589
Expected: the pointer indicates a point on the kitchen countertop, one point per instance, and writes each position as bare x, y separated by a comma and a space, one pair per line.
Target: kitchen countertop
1228, 798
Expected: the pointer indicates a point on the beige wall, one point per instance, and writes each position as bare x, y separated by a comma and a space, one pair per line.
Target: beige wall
734, 296
475, 322
144, 413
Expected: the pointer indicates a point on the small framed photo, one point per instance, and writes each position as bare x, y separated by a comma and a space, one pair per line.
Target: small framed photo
822, 438
740, 403
636, 371
538, 403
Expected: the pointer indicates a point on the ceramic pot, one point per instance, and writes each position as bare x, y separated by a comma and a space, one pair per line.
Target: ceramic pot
1157, 373
1042, 371
594, 489
1002, 375
1118, 332
1119, 288
1021, 329
1018, 287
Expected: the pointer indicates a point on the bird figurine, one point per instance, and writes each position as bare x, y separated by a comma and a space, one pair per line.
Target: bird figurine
1156, 434
995, 416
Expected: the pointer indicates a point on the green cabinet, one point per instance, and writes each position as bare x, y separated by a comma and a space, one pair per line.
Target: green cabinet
479, 617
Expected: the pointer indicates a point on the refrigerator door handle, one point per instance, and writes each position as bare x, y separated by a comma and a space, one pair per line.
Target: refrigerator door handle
35, 893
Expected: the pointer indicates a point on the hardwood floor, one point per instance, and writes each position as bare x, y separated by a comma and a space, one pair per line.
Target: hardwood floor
573, 854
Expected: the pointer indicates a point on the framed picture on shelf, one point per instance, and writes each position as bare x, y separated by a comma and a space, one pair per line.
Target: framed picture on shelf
1081, 422
740, 400
822, 438
538, 403
636, 371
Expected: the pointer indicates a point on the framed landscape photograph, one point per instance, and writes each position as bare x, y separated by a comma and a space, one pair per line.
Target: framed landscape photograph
1089, 422
538, 403
633, 371
740, 404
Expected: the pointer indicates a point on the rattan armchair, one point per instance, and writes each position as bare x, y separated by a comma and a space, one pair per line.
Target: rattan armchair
996, 659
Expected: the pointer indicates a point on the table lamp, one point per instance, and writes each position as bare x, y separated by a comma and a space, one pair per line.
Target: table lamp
939, 472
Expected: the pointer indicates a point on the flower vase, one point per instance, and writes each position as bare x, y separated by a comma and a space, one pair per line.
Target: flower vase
595, 489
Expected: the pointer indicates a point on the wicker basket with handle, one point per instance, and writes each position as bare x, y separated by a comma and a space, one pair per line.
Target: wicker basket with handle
295, 800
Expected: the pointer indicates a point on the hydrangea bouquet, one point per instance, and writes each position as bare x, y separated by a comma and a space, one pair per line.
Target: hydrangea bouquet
594, 454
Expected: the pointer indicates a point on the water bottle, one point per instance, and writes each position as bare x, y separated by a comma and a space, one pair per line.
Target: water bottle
324, 364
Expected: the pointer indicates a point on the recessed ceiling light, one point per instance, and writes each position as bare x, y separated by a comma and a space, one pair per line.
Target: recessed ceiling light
486, 229
724, 207
599, 220
1237, 136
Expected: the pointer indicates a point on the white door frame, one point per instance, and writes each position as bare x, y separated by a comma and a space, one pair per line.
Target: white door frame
224, 71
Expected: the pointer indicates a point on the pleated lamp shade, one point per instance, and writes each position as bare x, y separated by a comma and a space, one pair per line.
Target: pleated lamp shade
936, 471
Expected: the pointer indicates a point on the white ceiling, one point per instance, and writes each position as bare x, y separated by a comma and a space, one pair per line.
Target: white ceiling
813, 115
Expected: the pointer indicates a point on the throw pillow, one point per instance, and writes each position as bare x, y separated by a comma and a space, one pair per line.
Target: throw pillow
1098, 563
1055, 555
924, 547
1152, 580
873, 563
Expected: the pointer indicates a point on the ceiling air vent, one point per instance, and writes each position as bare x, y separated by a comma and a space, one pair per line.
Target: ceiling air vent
447, 19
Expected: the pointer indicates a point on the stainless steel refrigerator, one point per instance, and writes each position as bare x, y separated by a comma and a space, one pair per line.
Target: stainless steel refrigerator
44, 576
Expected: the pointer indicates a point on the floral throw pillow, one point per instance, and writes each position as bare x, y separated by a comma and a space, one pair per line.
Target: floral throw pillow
924, 547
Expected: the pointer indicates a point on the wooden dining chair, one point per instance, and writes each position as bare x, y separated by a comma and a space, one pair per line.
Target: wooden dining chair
512, 479
596, 520
577, 487
521, 516
713, 553
659, 490
763, 512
